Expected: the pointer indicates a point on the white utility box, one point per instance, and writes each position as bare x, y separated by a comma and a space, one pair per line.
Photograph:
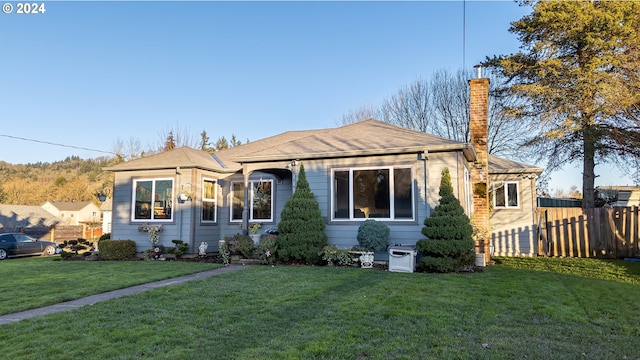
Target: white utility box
402, 258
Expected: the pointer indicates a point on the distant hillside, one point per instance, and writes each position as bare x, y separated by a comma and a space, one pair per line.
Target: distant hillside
67, 180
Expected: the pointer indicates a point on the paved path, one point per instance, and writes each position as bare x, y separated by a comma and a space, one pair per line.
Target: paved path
90, 300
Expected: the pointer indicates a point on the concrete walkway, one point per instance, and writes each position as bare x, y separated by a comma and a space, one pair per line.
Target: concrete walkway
90, 300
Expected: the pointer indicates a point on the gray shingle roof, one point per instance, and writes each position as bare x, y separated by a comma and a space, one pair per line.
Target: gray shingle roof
70, 205
13, 217
498, 165
182, 156
369, 137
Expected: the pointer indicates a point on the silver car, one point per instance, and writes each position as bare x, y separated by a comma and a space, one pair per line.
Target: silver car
19, 244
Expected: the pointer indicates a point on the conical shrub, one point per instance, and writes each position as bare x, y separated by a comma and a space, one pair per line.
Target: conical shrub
449, 244
301, 236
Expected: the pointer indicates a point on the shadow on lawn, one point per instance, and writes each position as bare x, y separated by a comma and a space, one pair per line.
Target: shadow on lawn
603, 269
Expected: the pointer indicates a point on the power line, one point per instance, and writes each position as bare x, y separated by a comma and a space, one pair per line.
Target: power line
56, 144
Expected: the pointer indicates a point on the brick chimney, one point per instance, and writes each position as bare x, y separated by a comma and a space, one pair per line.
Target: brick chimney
479, 134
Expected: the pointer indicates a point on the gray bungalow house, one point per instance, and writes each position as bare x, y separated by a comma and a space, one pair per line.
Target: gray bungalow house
366, 170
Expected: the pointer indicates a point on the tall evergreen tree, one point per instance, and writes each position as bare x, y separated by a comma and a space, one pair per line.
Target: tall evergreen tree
579, 72
205, 145
449, 245
301, 229
170, 143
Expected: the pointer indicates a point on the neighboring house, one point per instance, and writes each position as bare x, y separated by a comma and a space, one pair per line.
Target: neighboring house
105, 208
366, 170
74, 212
626, 195
32, 220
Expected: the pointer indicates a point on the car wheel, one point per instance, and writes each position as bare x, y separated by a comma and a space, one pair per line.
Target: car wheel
3, 254
49, 250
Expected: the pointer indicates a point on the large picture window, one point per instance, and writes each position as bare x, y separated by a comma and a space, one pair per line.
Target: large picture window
152, 199
260, 197
209, 203
505, 194
366, 193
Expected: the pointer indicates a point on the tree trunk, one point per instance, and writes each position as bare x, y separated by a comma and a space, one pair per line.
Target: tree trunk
588, 168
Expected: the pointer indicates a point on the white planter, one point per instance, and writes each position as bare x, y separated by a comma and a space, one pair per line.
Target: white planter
256, 238
366, 260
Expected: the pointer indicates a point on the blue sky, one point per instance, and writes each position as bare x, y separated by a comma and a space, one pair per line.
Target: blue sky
87, 73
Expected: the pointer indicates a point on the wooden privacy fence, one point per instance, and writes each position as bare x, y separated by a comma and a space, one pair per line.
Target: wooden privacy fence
599, 232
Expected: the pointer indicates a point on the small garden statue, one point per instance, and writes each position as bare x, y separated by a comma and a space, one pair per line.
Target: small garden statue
202, 249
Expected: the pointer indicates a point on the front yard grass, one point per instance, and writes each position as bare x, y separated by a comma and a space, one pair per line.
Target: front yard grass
520, 308
29, 283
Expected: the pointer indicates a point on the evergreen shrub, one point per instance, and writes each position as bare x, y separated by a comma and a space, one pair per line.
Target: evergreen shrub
241, 244
449, 244
117, 249
301, 236
373, 235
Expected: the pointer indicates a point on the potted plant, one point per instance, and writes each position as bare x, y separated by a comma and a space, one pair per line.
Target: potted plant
254, 232
372, 236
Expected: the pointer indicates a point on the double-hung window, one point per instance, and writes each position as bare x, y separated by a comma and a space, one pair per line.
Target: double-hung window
260, 200
209, 202
505, 195
152, 199
372, 192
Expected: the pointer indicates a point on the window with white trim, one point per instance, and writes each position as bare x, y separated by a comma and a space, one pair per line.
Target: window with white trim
152, 199
374, 192
260, 197
209, 203
505, 194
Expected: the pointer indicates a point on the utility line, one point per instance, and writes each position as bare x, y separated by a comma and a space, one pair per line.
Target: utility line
56, 144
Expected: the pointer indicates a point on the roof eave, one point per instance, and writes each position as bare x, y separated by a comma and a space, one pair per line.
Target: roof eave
165, 167
467, 149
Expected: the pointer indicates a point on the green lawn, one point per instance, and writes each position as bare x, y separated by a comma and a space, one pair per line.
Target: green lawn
520, 308
29, 283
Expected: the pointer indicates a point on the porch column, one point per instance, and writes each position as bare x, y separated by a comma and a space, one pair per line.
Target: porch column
247, 201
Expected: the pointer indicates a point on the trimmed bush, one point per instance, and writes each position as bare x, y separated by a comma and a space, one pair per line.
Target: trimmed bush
105, 236
267, 250
335, 256
240, 244
117, 249
301, 234
449, 245
373, 235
